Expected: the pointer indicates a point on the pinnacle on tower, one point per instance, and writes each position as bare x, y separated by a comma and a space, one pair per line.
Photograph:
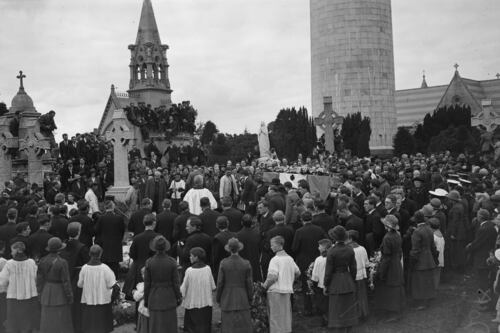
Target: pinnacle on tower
148, 30
424, 83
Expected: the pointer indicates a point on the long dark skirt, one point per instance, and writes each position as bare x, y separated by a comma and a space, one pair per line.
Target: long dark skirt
3, 311
362, 298
23, 315
236, 321
389, 298
342, 311
163, 321
97, 318
198, 320
143, 324
56, 319
422, 284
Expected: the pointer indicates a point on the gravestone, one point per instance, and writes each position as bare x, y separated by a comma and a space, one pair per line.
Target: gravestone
120, 136
328, 121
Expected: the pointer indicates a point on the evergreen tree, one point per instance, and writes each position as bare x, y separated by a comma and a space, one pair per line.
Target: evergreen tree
363, 144
404, 142
208, 133
3, 108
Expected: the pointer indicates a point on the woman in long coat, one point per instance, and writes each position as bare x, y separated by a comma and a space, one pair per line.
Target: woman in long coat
340, 276
19, 275
54, 286
389, 287
161, 288
235, 290
97, 280
422, 265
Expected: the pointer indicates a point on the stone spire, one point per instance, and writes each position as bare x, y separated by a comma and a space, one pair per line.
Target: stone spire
424, 83
149, 81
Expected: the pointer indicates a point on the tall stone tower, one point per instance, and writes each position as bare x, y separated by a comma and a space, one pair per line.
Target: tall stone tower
352, 60
149, 81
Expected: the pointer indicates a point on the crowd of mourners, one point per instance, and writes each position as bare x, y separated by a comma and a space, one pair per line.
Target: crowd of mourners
389, 230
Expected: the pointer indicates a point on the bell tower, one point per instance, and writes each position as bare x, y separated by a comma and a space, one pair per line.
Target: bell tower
149, 81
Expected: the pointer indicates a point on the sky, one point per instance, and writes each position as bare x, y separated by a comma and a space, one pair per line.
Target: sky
238, 61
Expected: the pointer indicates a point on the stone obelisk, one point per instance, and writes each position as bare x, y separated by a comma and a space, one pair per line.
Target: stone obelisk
352, 60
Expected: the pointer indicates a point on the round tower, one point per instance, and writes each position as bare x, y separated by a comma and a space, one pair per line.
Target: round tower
352, 60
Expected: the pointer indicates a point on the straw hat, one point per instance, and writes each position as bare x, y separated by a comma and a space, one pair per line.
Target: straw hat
439, 192
391, 221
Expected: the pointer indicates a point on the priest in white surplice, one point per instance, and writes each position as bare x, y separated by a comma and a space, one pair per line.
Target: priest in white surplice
194, 195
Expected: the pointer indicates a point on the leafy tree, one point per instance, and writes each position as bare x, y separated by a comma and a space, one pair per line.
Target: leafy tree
219, 146
292, 132
404, 142
208, 133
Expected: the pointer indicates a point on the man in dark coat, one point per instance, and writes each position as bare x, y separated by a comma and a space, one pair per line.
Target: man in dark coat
195, 238
250, 237
275, 200
76, 254
322, 219
87, 224
280, 229
78, 188
374, 228
352, 222
156, 190
219, 242
408, 204
180, 234
140, 251
379, 206
165, 221
37, 241
479, 249
136, 225
64, 148
109, 231
248, 193
8, 230
208, 217
59, 223
233, 215
419, 192
305, 246
67, 176
265, 219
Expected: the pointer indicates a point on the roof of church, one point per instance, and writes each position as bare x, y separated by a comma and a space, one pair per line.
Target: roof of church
413, 104
148, 30
117, 99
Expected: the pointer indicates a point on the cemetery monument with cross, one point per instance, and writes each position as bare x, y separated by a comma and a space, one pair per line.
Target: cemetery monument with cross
24, 150
328, 120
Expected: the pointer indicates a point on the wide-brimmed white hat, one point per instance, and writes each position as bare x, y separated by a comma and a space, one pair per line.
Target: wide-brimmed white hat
439, 192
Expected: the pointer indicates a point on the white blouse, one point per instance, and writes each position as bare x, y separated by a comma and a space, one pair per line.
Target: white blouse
197, 288
96, 282
439, 241
19, 278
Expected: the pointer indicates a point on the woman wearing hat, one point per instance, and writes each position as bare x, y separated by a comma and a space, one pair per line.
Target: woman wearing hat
54, 287
96, 280
235, 290
19, 277
456, 233
161, 288
340, 277
389, 287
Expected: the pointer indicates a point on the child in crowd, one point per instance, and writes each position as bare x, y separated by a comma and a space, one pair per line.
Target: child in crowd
362, 264
439, 241
318, 276
143, 318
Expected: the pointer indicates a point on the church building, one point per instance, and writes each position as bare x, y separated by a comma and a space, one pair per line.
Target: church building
149, 83
480, 95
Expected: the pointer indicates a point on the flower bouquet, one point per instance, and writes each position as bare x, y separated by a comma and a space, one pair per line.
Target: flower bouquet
373, 265
258, 309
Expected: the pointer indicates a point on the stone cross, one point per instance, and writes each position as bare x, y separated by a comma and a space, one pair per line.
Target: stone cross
34, 145
328, 121
20, 77
456, 66
120, 135
498, 76
487, 118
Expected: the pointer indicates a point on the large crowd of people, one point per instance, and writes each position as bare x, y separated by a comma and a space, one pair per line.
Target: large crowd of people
389, 229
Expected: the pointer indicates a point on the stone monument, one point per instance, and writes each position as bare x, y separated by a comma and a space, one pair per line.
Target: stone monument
120, 135
328, 121
23, 149
352, 60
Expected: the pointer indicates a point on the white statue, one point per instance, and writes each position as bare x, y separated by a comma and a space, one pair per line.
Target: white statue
264, 146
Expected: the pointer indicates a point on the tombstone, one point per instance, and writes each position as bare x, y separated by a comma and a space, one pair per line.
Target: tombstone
487, 118
328, 121
120, 136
